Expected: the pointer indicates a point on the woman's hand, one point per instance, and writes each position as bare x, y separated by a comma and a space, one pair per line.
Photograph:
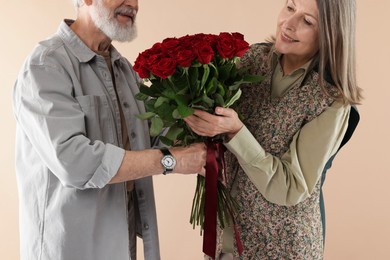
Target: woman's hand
225, 121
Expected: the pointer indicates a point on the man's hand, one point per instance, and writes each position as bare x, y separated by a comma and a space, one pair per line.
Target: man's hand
190, 159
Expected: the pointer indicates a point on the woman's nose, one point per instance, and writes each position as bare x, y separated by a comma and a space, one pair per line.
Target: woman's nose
291, 23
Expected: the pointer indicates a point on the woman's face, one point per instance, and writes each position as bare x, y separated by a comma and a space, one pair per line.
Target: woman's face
297, 31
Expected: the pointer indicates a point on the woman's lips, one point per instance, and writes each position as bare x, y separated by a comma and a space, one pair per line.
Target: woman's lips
287, 38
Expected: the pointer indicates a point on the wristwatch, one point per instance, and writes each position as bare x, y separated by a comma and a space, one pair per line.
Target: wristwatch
168, 161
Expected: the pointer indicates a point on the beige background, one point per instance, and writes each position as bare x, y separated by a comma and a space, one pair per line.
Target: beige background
356, 190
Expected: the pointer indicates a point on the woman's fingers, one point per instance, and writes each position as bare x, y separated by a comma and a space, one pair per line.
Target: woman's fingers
225, 121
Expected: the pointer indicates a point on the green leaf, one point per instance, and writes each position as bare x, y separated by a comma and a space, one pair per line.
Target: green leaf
165, 113
167, 84
252, 78
181, 100
183, 91
221, 90
206, 73
234, 98
149, 105
156, 126
219, 100
200, 107
212, 86
160, 101
173, 132
235, 85
147, 91
180, 81
246, 80
208, 100
157, 86
166, 141
197, 100
169, 93
215, 68
233, 72
140, 96
146, 115
176, 114
224, 71
193, 75
185, 111
196, 64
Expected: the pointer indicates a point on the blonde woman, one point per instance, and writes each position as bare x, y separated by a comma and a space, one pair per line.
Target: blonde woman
294, 123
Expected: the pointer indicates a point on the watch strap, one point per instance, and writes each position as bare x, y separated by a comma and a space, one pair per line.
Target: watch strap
165, 151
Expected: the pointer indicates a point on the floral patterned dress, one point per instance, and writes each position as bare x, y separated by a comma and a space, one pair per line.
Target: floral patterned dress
268, 230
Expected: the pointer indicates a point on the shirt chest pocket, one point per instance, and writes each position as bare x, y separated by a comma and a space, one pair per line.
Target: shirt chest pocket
99, 121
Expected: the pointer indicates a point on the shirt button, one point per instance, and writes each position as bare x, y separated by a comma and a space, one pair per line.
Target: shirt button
146, 226
126, 105
141, 194
133, 135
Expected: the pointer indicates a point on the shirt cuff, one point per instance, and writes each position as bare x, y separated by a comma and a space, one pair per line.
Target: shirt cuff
245, 147
111, 161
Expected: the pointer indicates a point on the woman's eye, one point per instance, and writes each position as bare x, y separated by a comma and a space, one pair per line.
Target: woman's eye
290, 8
307, 22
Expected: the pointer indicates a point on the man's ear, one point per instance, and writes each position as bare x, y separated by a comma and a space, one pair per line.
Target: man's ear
88, 2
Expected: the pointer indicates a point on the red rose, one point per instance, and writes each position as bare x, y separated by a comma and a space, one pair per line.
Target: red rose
211, 39
142, 71
169, 46
162, 58
238, 36
153, 59
164, 67
149, 56
199, 37
140, 66
241, 47
204, 52
226, 45
196, 40
185, 57
186, 41
156, 48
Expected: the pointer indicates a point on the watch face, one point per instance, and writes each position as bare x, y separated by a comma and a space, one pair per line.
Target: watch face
168, 161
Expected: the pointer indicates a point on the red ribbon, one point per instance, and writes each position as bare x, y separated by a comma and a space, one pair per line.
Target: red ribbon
240, 248
211, 198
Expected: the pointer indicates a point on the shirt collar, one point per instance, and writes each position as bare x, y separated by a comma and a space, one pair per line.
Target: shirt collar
276, 59
77, 46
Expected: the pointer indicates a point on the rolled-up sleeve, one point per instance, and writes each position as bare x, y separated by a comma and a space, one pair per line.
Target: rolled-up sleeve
54, 124
291, 179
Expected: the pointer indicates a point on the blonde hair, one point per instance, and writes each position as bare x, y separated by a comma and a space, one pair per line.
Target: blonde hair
336, 56
337, 22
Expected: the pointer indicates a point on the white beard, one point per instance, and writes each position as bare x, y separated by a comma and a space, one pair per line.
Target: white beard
110, 26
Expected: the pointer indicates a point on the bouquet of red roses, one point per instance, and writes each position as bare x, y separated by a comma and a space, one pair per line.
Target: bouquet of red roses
194, 71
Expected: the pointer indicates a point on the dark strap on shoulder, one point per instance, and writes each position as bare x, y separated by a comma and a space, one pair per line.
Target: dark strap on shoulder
352, 123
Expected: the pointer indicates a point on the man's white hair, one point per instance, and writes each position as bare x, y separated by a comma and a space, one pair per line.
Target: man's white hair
78, 3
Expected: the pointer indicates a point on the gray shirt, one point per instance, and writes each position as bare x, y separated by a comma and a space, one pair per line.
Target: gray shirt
68, 147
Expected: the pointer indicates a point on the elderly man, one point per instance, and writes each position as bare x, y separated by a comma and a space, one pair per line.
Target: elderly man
84, 162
